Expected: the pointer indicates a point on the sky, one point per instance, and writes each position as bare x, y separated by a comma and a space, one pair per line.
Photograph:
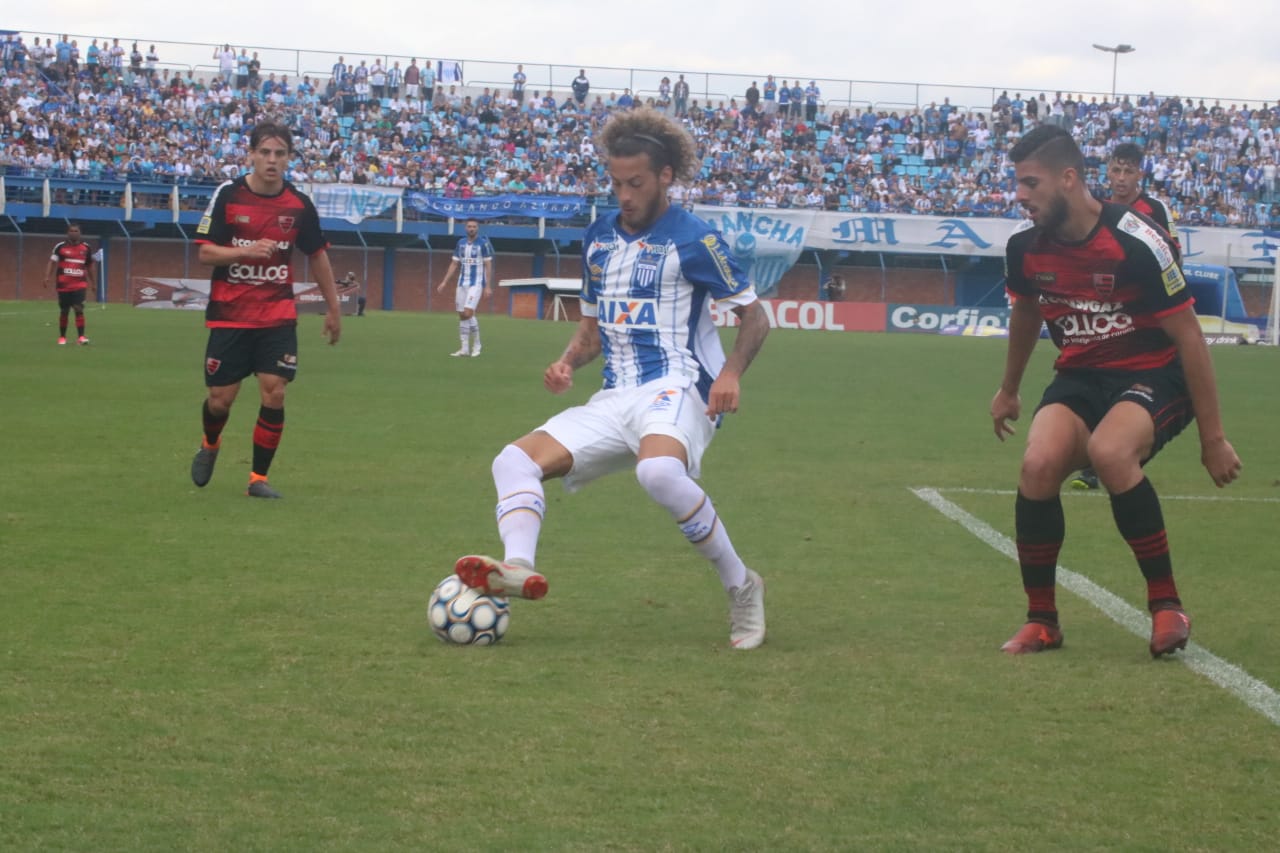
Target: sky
1194, 48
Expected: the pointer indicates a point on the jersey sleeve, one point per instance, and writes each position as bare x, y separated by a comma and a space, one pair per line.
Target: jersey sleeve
1159, 213
310, 238
707, 264
1015, 279
1152, 261
596, 247
213, 226
486, 249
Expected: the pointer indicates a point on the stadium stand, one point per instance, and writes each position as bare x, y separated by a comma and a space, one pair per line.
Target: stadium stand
103, 117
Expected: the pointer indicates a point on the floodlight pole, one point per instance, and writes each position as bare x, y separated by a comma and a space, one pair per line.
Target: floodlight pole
1115, 61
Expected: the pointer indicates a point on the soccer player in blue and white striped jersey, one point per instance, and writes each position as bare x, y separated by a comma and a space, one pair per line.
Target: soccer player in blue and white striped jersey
473, 262
651, 271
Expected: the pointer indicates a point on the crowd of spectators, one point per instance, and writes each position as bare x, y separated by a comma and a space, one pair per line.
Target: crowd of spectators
115, 114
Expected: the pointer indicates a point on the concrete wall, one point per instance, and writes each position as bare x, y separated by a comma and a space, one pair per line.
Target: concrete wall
416, 274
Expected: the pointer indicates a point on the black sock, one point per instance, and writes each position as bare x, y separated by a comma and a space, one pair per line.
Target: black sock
266, 438
1041, 528
212, 426
1141, 523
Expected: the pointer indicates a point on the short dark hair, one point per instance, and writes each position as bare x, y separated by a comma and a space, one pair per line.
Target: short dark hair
1052, 146
1127, 152
271, 130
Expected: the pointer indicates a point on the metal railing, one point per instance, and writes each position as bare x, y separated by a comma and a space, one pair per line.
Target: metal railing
476, 74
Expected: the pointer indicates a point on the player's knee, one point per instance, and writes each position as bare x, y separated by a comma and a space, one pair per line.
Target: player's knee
660, 476
512, 463
1108, 455
1041, 469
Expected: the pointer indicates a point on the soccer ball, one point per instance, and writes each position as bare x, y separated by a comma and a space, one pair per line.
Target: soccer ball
467, 617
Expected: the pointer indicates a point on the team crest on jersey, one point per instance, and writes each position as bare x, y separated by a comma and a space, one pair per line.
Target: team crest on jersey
1104, 283
211, 365
647, 264
285, 222
645, 275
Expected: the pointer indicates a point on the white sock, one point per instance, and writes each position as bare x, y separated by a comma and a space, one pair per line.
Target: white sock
462, 333
667, 481
521, 503
475, 334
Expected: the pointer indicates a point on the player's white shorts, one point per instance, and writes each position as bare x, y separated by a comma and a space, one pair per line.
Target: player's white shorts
467, 298
604, 434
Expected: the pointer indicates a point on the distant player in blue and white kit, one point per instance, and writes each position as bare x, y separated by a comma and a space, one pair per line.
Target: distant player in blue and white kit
473, 262
651, 271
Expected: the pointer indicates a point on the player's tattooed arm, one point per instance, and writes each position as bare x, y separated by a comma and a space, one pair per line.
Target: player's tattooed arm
584, 346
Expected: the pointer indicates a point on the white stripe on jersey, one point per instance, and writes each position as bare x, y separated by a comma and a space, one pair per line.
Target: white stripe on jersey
654, 321
471, 257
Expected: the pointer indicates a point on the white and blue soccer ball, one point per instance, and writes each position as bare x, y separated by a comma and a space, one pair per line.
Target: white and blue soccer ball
463, 616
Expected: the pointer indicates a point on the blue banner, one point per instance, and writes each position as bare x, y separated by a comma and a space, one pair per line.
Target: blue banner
494, 206
765, 242
353, 202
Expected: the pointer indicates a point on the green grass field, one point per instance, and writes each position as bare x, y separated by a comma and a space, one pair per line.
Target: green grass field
190, 669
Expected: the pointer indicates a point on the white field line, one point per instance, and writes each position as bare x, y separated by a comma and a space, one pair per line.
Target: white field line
1102, 494
1254, 693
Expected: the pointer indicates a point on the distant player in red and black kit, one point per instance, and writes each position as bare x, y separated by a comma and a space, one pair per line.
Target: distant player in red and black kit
1124, 173
1132, 372
247, 235
71, 268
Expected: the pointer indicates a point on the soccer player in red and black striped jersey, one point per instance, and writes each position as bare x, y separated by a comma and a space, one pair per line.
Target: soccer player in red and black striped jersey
71, 268
247, 235
1124, 173
1133, 370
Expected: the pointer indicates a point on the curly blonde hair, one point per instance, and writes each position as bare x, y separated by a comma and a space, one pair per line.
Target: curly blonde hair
647, 131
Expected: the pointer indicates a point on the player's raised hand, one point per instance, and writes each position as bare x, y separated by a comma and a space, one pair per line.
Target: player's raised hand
260, 249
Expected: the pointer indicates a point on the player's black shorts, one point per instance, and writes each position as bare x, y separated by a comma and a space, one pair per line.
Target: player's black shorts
1091, 394
68, 299
233, 354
